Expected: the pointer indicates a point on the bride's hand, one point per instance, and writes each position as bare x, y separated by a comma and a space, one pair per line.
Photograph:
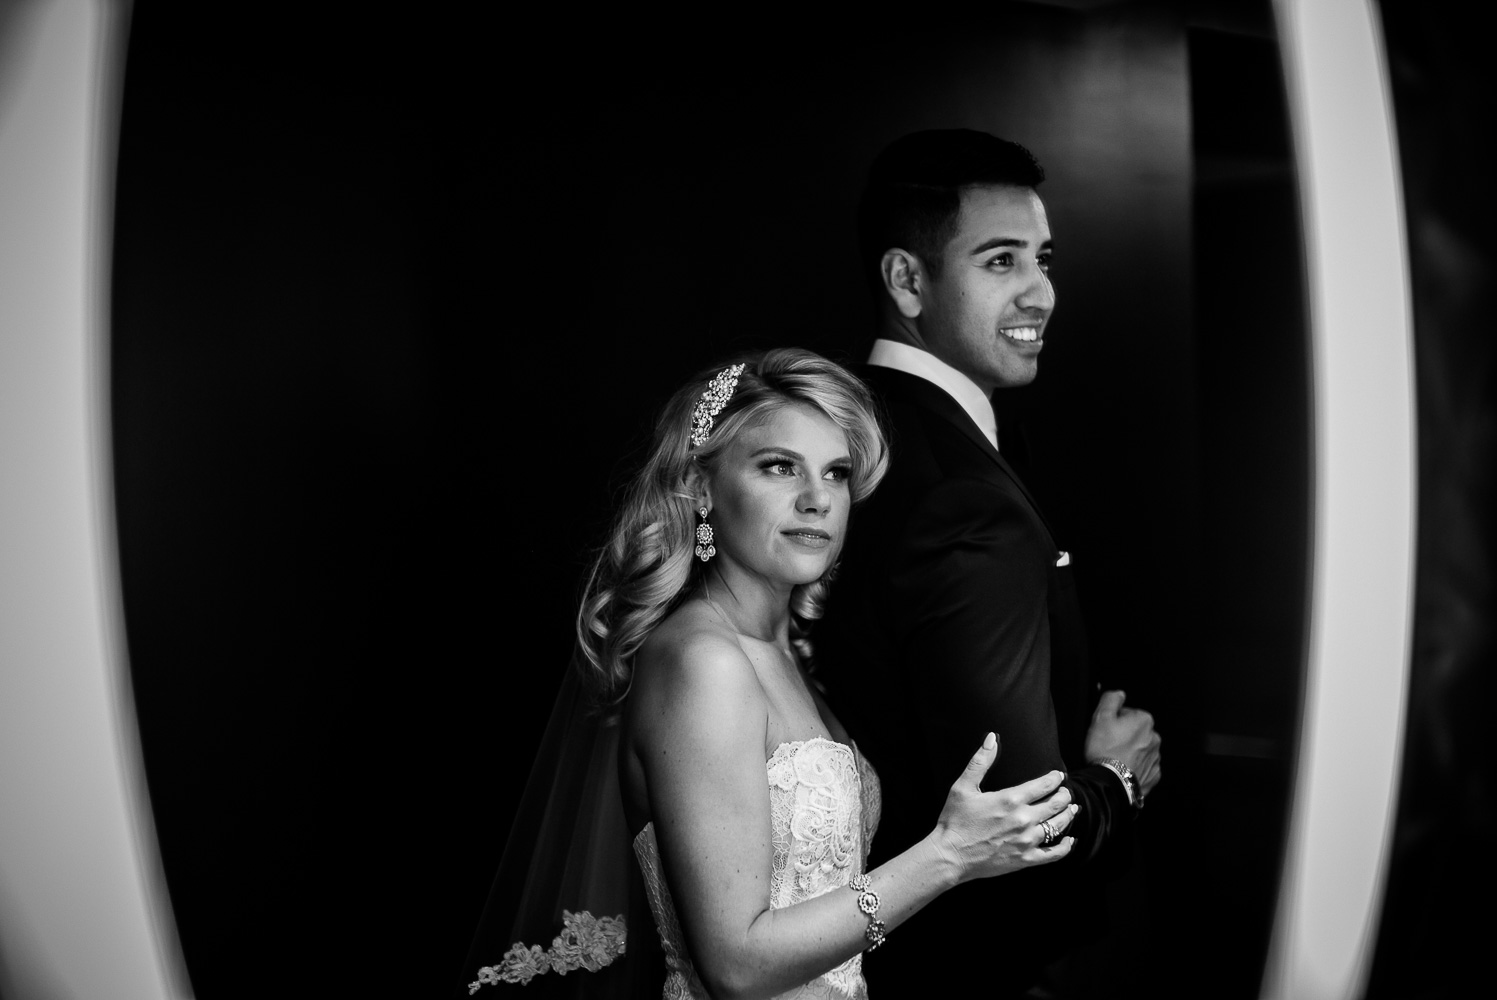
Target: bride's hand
992, 833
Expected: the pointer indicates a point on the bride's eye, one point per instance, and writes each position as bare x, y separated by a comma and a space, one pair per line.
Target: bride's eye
779, 467
839, 474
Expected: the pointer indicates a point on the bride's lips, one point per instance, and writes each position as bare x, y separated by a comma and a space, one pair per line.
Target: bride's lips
811, 538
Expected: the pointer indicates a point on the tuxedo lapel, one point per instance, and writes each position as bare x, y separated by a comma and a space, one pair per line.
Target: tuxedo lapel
895, 384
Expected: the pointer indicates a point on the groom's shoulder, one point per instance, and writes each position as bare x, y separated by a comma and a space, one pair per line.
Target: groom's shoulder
890, 385
904, 400
926, 445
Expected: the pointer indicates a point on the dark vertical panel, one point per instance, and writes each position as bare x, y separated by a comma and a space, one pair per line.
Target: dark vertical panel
1255, 446
1443, 862
306, 351
1220, 619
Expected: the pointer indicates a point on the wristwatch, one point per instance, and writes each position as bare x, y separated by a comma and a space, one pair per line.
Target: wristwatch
1130, 783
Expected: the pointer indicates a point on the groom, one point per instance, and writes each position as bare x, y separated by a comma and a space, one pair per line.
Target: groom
954, 611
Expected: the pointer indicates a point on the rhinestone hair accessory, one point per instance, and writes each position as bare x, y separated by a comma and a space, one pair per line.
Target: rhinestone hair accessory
719, 391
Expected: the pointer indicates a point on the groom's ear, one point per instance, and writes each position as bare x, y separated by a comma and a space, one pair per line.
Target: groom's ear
904, 281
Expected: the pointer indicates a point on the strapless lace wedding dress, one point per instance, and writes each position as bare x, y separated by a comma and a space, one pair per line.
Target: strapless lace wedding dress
824, 802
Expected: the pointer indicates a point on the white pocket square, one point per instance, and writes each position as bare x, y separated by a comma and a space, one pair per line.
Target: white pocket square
1064, 560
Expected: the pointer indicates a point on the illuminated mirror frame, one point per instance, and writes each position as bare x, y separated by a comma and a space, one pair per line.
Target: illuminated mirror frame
83, 906
83, 910
1363, 496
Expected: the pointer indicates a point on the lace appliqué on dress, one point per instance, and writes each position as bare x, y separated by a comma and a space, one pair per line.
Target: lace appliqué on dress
585, 942
873, 805
816, 811
820, 793
681, 982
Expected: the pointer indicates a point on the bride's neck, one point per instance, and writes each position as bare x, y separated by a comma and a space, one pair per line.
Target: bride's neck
752, 607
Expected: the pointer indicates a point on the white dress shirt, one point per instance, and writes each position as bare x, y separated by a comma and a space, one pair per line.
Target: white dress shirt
923, 364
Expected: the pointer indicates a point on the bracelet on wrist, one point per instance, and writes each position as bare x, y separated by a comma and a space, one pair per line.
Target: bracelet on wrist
868, 903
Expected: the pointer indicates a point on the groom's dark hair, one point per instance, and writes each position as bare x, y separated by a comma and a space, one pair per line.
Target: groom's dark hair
913, 197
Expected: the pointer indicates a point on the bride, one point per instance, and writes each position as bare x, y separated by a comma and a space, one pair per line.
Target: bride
748, 807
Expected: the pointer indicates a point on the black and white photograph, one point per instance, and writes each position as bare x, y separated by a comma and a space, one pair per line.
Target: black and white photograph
722, 504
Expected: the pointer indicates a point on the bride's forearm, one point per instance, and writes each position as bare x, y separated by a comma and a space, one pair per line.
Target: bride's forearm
787, 947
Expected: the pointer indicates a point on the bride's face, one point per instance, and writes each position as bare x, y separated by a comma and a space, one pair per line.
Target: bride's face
780, 494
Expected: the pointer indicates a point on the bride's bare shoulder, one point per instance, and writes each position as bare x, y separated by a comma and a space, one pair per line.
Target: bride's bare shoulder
693, 654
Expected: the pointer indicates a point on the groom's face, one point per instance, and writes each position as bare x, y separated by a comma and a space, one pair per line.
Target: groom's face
986, 314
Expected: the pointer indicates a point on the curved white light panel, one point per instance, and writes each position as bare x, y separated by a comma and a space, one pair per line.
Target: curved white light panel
1364, 493
83, 912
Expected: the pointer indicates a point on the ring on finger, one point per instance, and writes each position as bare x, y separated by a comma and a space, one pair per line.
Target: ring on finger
1048, 832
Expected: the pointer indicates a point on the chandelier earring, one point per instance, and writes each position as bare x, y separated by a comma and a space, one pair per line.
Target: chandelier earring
705, 549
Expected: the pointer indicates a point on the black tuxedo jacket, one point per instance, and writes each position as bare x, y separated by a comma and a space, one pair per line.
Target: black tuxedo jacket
950, 618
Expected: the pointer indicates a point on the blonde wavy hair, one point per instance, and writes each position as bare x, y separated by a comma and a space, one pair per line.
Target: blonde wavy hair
647, 567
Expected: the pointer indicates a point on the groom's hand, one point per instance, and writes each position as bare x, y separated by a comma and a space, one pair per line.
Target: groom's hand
1127, 734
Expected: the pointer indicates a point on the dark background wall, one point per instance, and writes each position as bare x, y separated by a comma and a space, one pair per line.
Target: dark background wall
1443, 855
396, 298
